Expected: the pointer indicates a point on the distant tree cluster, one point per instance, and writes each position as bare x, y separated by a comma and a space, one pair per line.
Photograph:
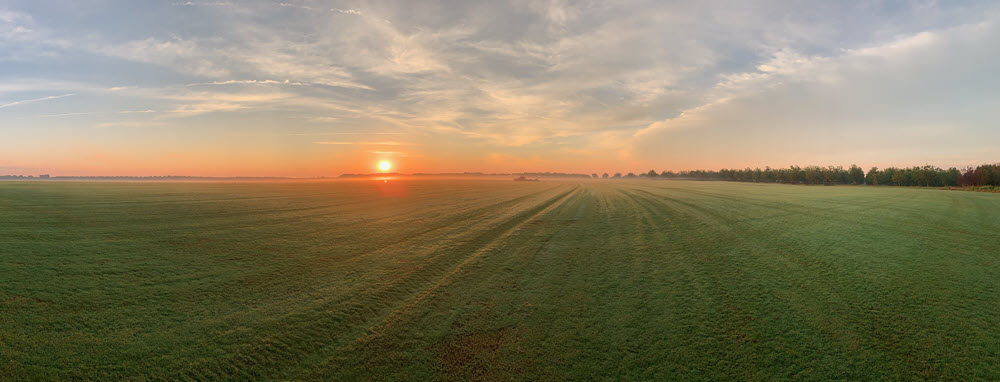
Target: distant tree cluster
797, 175
923, 176
926, 176
985, 175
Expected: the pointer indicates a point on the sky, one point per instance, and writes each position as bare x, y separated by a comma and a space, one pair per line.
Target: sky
317, 88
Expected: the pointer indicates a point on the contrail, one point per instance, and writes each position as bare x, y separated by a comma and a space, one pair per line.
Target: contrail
15, 103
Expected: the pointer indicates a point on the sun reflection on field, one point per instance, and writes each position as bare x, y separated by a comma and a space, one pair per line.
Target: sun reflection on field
394, 189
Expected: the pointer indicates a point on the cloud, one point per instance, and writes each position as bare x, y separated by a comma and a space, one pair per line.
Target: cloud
151, 123
16, 26
295, 6
182, 55
250, 82
96, 113
271, 56
346, 11
350, 133
205, 102
25, 85
393, 153
204, 4
921, 95
383, 143
22, 102
69, 114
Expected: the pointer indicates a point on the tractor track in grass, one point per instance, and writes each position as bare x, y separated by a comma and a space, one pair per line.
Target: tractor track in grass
498, 208
806, 300
306, 337
456, 226
839, 211
809, 298
228, 213
455, 223
731, 325
278, 216
475, 249
833, 213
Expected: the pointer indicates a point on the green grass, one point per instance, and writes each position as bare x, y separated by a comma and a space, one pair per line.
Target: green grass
459, 279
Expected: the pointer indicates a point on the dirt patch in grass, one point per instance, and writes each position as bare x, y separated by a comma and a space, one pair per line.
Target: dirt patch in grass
482, 356
19, 301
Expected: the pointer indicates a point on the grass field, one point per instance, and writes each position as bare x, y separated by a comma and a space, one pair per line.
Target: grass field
481, 279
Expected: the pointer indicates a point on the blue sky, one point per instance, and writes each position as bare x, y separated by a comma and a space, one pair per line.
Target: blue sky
308, 88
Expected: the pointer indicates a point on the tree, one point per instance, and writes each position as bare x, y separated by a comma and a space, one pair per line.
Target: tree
630, 175
950, 178
898, 178
604, 176
813, 174
618, 175
593, 176
872, 177
987, 175
784, 175
829, 175
652, 174
968, 177
885, 176
770, 175
856, 175
797, 175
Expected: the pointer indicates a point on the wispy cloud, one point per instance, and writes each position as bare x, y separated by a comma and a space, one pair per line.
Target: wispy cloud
22, 102
95, 113
27, 85
250, 82
808, 106
69, 114
196, 103
295, 6
348, 133
178, 54
346, 11
150, 123
390, 153
383, 143
204, 4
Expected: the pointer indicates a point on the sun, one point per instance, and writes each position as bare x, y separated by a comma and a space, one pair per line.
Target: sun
384, 165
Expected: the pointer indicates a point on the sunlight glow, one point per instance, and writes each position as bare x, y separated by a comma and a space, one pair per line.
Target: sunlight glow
383, 165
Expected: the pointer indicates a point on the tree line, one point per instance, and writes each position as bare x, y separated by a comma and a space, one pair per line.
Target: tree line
923, 176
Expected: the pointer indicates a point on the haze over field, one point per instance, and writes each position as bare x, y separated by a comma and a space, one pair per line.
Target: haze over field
309, 88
